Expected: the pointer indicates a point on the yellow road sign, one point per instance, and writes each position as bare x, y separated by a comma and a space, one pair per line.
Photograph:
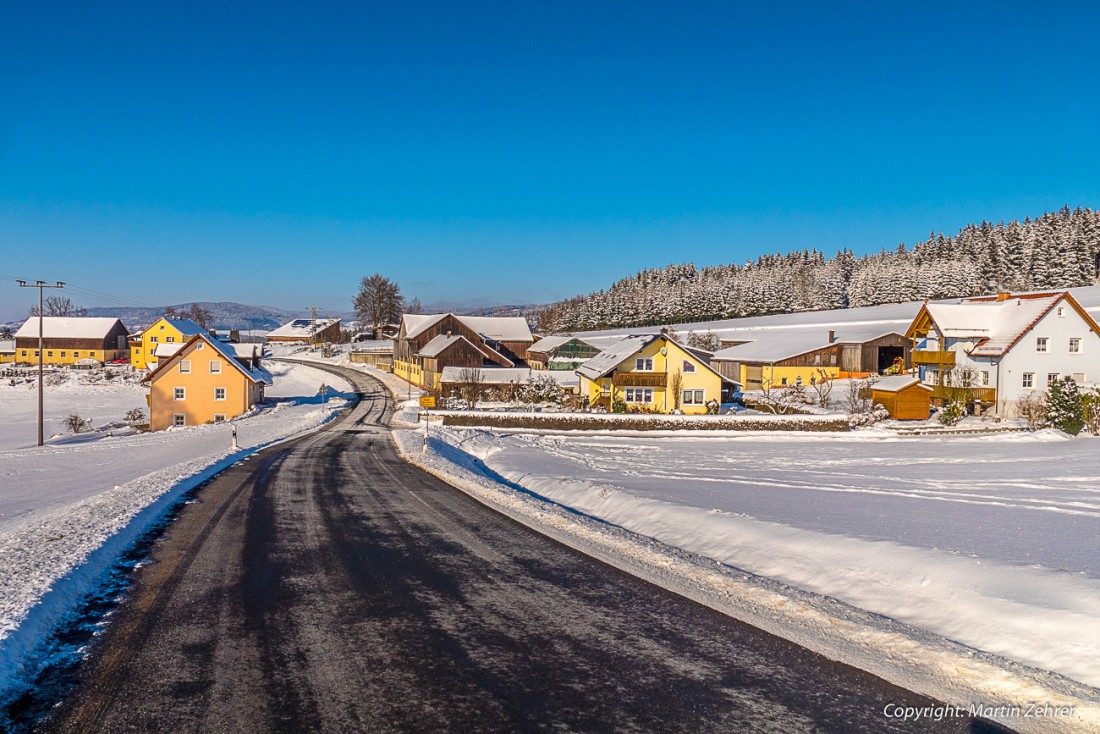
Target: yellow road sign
427, 401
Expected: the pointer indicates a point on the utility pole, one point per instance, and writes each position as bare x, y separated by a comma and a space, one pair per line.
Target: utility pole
313, 325
41, 286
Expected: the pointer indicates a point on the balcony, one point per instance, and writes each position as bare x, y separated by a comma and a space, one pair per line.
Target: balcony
928, 357
978, 394
639, 379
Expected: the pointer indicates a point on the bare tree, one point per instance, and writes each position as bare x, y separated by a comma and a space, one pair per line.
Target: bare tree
135, 416
858, 397
74, 423
414, 306
59, 306
822, 386
201, 316
781, 399
378, 302
1033, 410
470, 383
675, 384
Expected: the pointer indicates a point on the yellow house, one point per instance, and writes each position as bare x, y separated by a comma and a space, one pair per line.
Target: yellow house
163, 331
7, 351
203, 382
651, 373
71, 339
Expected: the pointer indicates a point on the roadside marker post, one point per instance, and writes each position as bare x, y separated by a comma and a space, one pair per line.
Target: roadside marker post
426, 402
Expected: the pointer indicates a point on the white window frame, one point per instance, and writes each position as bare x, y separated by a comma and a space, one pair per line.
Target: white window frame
219, 417
643, 364
1061, 312
179, 420
689, 367
223, 391
1075, 345
185, 366
1042, 345
688, 397
215, 366
170, 339
1052, 377
154, 339
985, 378
638, 395
1027, 380
179, 393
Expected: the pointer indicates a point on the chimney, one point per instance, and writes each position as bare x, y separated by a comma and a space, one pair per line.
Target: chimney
832, 336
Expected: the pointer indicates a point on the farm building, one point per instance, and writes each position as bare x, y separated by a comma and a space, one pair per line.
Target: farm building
429, 343
560, 353
306, 331
70, 339
374, 352
905, 397
501, 382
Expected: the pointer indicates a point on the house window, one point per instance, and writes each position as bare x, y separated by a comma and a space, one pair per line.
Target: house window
694, 397
215, 366
219, 417
985, 378
1075, 345
1028, 379
643, 364
170, 339
24, 352
185, 366
49, 353
783, 381
179, 420
155, 339
689, 366
75, 355
219, 393
639, 395
200, 345
1052, 377
1041, 344
180, 393
1061, 312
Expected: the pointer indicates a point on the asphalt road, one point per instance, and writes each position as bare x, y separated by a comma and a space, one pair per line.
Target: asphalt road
326, 585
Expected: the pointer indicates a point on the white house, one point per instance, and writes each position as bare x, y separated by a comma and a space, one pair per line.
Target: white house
1017, 344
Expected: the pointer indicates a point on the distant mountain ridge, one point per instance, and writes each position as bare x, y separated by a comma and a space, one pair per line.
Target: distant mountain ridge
226, 315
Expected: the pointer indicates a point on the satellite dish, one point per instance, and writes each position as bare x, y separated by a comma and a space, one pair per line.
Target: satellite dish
664, 351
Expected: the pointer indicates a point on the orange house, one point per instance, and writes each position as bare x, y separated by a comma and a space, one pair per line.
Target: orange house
203, 382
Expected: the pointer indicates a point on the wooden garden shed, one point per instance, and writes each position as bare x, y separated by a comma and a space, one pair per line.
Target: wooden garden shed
905, 397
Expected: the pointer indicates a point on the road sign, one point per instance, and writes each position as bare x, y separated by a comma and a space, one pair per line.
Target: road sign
427, 401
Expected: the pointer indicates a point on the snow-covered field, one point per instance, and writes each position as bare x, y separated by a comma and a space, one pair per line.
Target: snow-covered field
988, 542
68, 508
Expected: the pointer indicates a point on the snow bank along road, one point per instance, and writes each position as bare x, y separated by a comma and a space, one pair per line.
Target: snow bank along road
327, 585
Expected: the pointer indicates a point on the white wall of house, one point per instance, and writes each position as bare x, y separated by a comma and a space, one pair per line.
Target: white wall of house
1058, 327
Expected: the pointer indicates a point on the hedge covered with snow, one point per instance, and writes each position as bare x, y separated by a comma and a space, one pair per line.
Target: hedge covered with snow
635, 422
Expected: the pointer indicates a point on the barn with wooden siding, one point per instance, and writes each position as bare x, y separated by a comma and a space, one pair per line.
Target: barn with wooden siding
428, 343
905, 397
70, 339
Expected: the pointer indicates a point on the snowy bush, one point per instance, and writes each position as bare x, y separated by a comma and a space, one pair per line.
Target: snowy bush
1065, 409
539, 390
782, 400
74, 423
951, 413
1090, 407
1032, 409
135, 416
869, 417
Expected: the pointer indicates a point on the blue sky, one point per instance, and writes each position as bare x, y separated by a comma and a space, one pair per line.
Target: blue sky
516, 152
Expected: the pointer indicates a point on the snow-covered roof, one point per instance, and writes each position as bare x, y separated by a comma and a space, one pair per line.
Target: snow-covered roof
776, 345
897, 383
440, 343
507, 375
167, 349
548, 344
187, 327
68, 327
7, 345
257, 374
995, 325
380, 346
302, 328
497, 328
614, 355
244, 351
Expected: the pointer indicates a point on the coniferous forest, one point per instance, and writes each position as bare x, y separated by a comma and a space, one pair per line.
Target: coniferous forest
1056, 250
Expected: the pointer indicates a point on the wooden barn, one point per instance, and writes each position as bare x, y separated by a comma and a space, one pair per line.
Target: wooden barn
905, 397
70, 339
428, 343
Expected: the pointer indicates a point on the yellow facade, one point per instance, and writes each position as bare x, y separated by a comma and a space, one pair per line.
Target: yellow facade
161, 332
414, 373
65, 356
198, 385
653, 380
776, 376
6, 357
